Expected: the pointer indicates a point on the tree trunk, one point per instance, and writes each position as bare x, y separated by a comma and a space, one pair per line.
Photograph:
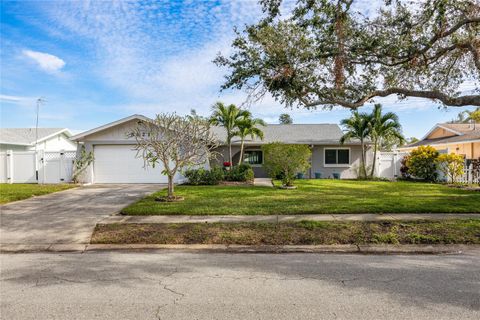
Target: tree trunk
241, 153
375, 146
363, 170
230, 151
170, 187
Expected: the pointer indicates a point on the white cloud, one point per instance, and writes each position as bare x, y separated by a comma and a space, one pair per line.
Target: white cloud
158, 55
13, 99
17, 100
47, 62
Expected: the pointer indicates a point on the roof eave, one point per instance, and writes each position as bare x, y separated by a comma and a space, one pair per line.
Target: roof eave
16, 144
66, 131
81, 135
440, 143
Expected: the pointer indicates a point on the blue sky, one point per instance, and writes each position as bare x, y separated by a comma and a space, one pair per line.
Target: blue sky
98, 61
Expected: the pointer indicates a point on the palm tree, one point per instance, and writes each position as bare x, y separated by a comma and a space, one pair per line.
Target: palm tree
467, 116
357, 127
285, 119
383, 127
473, 116
248, 127
228, 117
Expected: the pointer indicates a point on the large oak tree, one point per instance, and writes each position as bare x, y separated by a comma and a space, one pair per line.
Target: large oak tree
325, 53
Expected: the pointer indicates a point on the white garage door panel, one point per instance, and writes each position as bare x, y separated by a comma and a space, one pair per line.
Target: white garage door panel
119, 164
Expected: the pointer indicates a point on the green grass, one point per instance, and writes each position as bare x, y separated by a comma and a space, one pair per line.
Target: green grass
14, 192
312, 197
293, 233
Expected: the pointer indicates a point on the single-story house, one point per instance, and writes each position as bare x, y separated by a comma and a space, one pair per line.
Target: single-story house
25, 139
116, 160
458, 138
329, 157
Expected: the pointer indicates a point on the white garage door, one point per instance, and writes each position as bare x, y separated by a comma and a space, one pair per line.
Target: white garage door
119, 164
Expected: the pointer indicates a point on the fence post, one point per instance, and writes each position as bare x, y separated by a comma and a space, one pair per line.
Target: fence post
395, 166
9, 166
41, 166
469, 174
62, 166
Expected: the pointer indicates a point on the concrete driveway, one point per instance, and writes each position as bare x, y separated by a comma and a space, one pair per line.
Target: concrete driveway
67, 216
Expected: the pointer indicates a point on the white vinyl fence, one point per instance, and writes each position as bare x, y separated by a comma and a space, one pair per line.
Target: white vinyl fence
469, 176
388, 164
22, 166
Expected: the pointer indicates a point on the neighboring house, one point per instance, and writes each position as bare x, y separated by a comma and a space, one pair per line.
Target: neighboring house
116, 160
23, 139
458, 138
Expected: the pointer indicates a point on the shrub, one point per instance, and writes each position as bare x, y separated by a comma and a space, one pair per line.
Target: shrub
204, 177
451, 165
286, 160
422, 163
241, 173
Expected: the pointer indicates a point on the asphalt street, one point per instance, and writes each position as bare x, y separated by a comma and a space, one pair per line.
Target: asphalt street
176, 285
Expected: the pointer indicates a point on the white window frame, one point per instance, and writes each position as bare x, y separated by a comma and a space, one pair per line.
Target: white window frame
338, 165
253, 165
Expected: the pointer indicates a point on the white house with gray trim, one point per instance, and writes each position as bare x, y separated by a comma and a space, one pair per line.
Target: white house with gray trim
24, 139
116, 160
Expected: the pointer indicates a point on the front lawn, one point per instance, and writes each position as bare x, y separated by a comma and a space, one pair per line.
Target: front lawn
311, 197
293, 233
14, 192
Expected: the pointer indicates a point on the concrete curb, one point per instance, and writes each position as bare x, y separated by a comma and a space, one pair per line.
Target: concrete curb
359, 249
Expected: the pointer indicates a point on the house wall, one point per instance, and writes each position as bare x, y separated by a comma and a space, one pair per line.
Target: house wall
476, 150
5, 147
440, 133
115, 134
470, 150
56, 143
346, 171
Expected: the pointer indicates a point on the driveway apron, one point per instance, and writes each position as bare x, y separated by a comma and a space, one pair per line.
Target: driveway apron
68, 216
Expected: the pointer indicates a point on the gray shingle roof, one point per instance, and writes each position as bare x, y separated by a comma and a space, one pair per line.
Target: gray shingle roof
25, 136
292, 133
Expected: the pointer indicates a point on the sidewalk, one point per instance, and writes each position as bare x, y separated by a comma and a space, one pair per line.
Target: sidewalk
290, 218
263, 182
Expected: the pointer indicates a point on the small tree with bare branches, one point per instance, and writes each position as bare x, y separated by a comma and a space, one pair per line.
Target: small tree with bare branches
176, 142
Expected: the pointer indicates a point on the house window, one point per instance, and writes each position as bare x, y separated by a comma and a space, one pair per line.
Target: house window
253, 157
337, 156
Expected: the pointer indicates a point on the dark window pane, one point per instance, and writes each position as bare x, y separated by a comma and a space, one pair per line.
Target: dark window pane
253, 157
343, 156
330, 156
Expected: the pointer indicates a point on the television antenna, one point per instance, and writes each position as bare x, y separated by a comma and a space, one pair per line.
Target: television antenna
40, 101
